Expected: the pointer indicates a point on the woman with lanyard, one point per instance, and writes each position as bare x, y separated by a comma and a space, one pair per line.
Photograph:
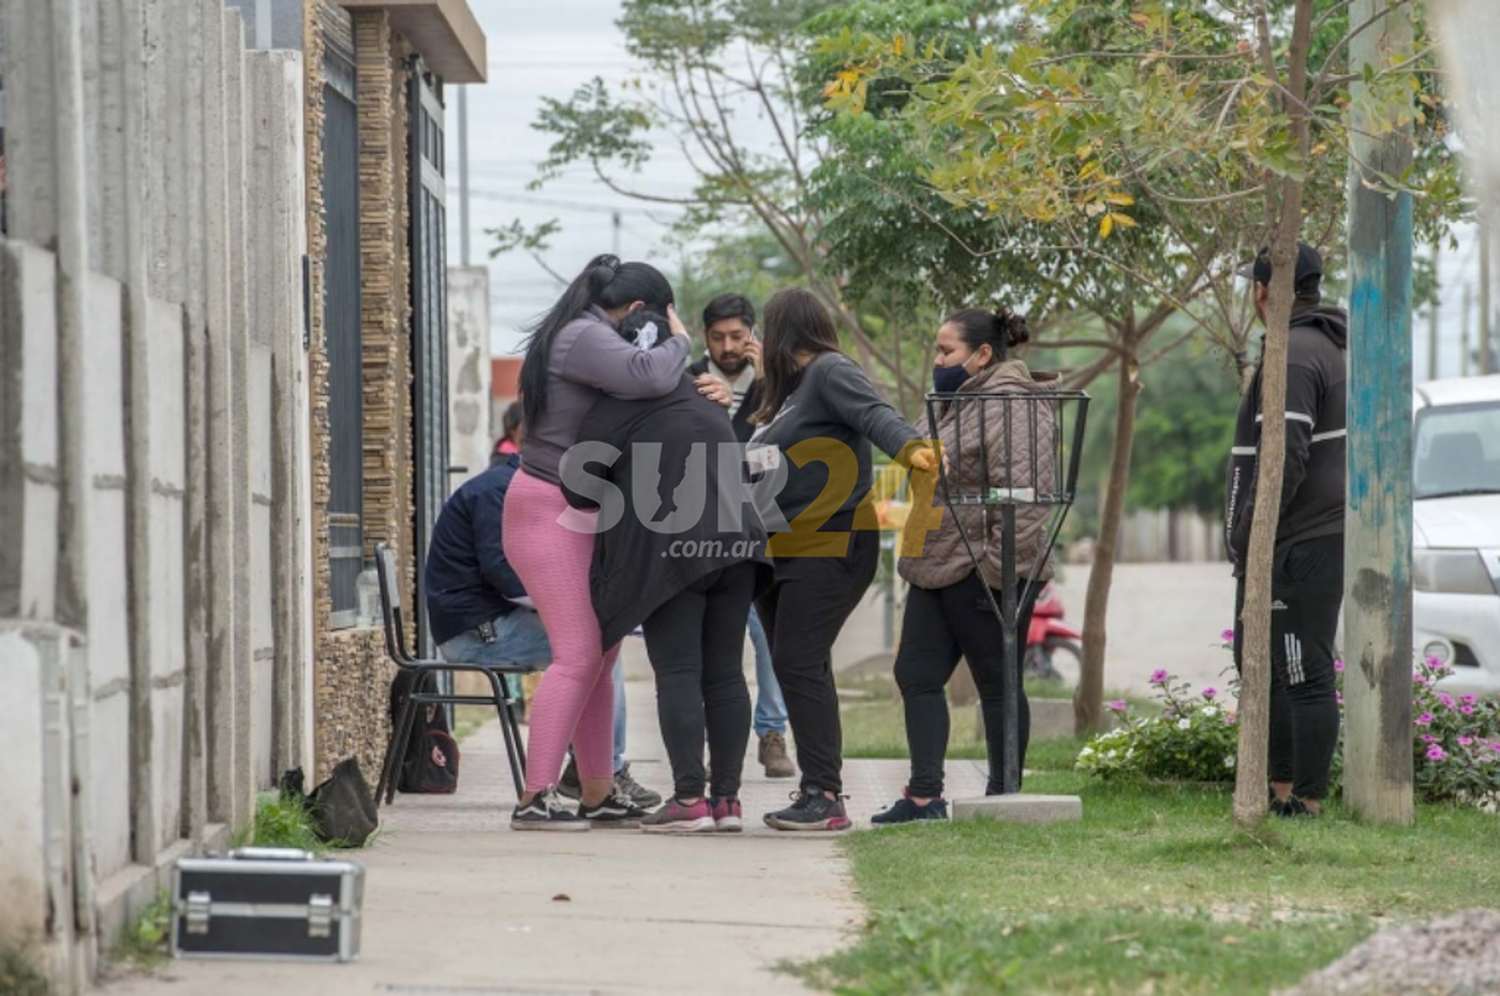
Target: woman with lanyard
948, 613
819, 415
574, 357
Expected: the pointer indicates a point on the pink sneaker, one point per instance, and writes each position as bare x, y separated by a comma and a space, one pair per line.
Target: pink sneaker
674, 817
728, 817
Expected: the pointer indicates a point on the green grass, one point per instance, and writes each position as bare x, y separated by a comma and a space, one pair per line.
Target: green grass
469, 718
875, 726
284, 823
19, 976
1152, 890
146, 941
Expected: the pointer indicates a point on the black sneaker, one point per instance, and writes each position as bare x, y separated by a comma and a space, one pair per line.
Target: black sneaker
545, 812
615, 813
906, 811
569, 786
1294, 808
811, 811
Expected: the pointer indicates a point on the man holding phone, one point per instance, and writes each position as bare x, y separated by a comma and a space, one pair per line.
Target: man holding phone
733, 359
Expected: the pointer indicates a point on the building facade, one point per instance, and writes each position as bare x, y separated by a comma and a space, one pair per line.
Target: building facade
223, 378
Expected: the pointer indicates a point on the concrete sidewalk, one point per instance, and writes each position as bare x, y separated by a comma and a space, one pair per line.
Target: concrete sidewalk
456, 903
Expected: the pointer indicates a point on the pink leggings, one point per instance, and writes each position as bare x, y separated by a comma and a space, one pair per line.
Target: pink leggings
575, 700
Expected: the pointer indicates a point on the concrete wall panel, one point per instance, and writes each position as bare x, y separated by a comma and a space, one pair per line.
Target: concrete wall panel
105, 437
110, 748
23, 882
35, 280
167, 747
263, 664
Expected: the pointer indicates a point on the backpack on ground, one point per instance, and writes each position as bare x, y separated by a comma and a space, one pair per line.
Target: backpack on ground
430, 762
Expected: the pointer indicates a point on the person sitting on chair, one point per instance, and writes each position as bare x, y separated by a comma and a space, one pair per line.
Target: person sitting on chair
476, 605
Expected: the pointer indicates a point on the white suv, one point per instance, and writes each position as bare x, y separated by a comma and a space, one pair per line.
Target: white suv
1456, 534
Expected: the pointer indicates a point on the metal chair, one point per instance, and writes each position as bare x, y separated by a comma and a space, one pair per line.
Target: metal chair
421, 695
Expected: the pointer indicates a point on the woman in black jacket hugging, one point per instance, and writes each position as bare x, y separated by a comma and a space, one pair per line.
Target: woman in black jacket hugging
818, 418
681, 554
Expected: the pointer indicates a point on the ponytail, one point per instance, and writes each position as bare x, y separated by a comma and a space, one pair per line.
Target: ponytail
605, 282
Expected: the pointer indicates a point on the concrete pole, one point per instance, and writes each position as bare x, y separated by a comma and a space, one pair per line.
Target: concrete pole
1463, 331
463, 174
1486, 318
1433, 314
144, 831
1377, 558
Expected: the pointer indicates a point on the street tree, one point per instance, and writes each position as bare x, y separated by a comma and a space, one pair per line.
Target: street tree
1177, 132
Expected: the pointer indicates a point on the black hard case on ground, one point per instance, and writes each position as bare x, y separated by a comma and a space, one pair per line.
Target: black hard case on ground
267, 903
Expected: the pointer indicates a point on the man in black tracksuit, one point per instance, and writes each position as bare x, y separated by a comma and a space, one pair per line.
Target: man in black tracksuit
1307, 574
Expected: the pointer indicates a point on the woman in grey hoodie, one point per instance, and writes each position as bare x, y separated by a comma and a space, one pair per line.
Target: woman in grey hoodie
948, 613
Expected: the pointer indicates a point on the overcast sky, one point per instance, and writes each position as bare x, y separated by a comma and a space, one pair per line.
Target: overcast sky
548, 49
541, 50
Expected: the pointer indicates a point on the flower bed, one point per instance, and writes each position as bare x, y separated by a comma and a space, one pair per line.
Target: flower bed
1455, 743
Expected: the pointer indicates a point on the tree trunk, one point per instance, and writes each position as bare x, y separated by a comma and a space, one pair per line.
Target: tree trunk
1088, 700
1251, 779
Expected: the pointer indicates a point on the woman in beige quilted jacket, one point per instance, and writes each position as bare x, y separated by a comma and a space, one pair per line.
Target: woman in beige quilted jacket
948, 614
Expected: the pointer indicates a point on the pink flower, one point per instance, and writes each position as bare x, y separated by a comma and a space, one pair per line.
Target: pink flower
1436, 753
1159, 676
1118, 705
1338, 697
1467, 710
1209, 693
1227, 636
1465, 741
1338, 666
1424, 720
1434, 663
1420, 680
1468, 699
1229, 721
1428, 738
1445, 699
1495, 746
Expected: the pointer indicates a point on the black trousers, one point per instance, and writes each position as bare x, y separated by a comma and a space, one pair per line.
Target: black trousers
939, 626
696, 642
803, 612
1307, 589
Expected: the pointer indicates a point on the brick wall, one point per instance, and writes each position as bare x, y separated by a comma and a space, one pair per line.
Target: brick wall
352, 673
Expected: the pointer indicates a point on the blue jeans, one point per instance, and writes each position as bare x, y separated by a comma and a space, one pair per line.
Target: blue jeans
520, 638
770, 708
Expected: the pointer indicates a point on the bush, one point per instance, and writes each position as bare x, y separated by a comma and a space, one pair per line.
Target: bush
1456, 747
1455, 744
1194, 739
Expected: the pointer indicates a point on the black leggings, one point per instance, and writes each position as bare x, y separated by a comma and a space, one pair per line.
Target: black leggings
803, 612
939, 626
696, 642
1307, 583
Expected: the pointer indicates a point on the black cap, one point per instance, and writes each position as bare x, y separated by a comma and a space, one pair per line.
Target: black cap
1309, 264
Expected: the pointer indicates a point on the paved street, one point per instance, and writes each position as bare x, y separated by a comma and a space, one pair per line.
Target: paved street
1160, 616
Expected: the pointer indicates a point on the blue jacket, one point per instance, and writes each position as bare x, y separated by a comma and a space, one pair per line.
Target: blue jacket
469, 581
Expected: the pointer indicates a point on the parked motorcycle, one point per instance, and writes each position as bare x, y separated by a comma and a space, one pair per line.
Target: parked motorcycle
1050, 637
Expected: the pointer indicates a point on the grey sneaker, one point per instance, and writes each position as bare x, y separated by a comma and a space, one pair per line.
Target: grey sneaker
773, 756
638, 794
544, 812
811, 811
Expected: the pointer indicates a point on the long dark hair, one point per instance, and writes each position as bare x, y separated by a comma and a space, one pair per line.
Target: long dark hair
1001, 329
605, 282
793, 321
